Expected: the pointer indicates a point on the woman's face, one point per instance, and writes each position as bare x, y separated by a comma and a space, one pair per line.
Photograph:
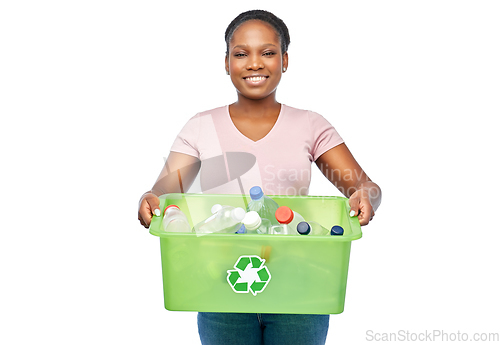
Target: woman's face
254, 60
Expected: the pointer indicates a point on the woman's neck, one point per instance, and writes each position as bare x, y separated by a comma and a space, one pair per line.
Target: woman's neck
255, 108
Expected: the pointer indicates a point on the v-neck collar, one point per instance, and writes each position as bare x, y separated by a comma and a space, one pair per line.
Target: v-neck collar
263, 139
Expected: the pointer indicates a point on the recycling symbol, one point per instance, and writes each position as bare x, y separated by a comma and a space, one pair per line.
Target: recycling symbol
249, 275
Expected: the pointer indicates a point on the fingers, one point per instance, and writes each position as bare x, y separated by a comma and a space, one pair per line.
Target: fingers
361, 207
143, 223
150, 204
354, 211
366, 215
354, 203
145, 216
154, 205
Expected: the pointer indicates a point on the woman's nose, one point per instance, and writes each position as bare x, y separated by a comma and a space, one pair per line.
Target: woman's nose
255, 63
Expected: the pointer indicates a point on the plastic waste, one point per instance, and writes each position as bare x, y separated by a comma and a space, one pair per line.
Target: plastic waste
288, 220
174, 220
241, 230
262, 204
225, 219
337, 230
254, 224
312, 228
281, 229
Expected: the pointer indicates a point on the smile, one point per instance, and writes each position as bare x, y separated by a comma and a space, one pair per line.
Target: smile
254, 79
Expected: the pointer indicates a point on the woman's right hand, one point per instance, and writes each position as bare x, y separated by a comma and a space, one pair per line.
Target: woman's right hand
177, 175
148, 205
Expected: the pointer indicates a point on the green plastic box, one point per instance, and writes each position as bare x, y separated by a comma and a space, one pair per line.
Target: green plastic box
257, 273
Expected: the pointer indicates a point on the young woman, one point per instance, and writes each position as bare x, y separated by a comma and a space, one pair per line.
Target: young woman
276, 145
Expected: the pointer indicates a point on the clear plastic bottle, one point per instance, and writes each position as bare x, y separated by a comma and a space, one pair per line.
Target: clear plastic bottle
288, 219
254, 224
174, 220
312, 228
225, 219
281, 229
262, 204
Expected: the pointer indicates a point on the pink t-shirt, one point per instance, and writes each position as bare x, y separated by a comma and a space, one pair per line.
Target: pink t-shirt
280, 163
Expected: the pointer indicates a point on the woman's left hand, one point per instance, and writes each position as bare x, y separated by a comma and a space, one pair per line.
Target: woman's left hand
361, 206
339, 166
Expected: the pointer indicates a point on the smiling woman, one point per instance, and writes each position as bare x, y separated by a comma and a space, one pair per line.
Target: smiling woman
255, 63
280, 143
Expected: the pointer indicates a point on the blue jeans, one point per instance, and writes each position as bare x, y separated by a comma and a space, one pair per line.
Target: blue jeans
259, 329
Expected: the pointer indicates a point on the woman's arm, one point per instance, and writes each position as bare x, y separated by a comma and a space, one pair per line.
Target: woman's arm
177, 176
340, 168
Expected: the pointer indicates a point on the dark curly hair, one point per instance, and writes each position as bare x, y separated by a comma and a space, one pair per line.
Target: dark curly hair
265, 16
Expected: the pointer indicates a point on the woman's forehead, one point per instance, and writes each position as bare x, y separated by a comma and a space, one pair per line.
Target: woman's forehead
255, 32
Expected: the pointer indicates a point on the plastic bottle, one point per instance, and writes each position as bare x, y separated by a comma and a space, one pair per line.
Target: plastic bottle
288, 219
281, 229
312, 228
225, 219
254, 224
174, 220
241, 230
262, 204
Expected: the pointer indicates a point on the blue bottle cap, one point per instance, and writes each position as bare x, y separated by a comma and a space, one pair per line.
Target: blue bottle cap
241, 230
303, 228
337, 230
256, 193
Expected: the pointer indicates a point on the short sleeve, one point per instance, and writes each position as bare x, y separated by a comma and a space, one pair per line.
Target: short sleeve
324, 135
187, 139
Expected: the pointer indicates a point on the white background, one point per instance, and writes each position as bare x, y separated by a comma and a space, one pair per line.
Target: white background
92, 94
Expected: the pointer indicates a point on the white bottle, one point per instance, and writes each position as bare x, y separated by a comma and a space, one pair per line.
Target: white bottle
174, 220
288, 219
225, 219
254, 224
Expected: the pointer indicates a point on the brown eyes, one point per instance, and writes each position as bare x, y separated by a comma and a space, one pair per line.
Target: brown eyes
264, 54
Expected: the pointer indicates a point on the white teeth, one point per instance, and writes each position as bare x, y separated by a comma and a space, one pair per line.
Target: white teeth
256, 78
